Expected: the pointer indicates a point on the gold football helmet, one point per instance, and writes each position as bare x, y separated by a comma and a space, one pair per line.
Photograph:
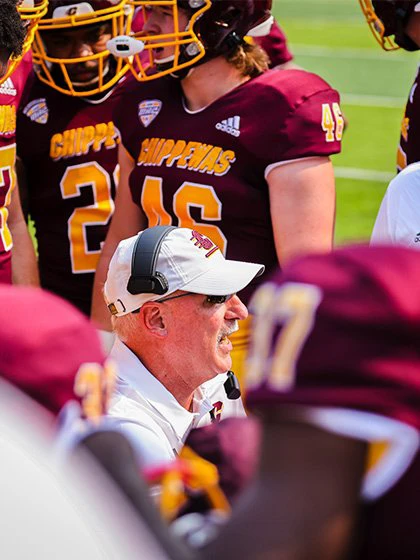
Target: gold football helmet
210, 28
76, 15
30, 12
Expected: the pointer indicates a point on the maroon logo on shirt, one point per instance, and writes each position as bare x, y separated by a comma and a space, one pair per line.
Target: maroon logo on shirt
217, 411
204, 243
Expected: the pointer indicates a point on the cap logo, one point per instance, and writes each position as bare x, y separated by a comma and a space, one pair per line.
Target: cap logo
204, 243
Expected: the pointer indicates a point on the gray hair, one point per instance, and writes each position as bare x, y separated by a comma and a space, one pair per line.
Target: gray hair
125, 326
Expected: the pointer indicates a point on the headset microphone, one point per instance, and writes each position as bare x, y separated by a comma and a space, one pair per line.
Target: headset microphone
232, 387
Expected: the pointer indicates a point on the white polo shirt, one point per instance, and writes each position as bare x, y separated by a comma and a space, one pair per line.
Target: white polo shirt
150, 416
398, 220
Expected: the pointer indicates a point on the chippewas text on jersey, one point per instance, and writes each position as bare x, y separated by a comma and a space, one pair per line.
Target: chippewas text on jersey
7, 119
79, 141
194, 156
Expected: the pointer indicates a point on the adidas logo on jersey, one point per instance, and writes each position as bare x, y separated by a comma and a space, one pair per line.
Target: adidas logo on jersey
8, 88
231, 126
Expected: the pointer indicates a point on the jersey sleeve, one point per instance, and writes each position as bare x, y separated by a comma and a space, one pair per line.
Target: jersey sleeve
398, 219
275, 45
302, 118
315, 128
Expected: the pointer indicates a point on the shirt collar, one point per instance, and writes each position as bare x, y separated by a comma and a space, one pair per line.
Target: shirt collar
136, 375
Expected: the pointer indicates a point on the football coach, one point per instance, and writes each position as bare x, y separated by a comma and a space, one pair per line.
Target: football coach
173, 298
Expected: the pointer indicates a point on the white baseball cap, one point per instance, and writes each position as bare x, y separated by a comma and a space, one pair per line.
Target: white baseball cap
188, 260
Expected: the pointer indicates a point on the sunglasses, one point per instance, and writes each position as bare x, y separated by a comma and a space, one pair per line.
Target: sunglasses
212, 300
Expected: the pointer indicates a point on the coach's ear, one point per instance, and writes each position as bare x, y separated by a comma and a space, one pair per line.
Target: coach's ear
153, 319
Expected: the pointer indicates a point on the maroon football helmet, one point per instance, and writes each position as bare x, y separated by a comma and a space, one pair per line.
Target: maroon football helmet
340, 330
387, 20
51, 352
214, 27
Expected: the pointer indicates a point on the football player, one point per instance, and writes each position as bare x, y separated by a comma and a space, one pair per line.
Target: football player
17, 26
396, 24
334, 375
214, 141
70, 161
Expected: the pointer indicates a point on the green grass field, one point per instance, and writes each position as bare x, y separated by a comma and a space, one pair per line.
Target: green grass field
331, 38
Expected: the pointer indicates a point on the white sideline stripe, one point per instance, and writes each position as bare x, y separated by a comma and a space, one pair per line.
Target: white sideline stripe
363, 174
345, 52
363, 100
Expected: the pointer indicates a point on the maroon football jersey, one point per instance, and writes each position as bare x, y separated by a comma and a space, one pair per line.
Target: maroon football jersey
409, 148
68, 146
10, 95
206, 169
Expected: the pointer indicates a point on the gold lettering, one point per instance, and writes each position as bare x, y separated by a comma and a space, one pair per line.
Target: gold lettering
78, 141
143, 152
187, 153
101, 131
199, 154
208, 163
113, 137
156, 151
68, 142
78, 137
56, 146
151, 150
165, 151
11, 121
2, 117
224, 163
7, 119
87, 138
176, 152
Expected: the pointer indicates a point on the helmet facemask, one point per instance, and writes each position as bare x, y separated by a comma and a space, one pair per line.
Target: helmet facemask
184, 47
93, 16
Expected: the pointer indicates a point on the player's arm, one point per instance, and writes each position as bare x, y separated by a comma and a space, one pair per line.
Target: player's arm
304, 502
302, 202
126, 221
24, 262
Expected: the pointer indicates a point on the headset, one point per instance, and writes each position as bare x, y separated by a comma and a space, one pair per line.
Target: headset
144, 278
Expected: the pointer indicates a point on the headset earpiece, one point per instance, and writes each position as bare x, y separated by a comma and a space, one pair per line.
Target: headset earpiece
144, 278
